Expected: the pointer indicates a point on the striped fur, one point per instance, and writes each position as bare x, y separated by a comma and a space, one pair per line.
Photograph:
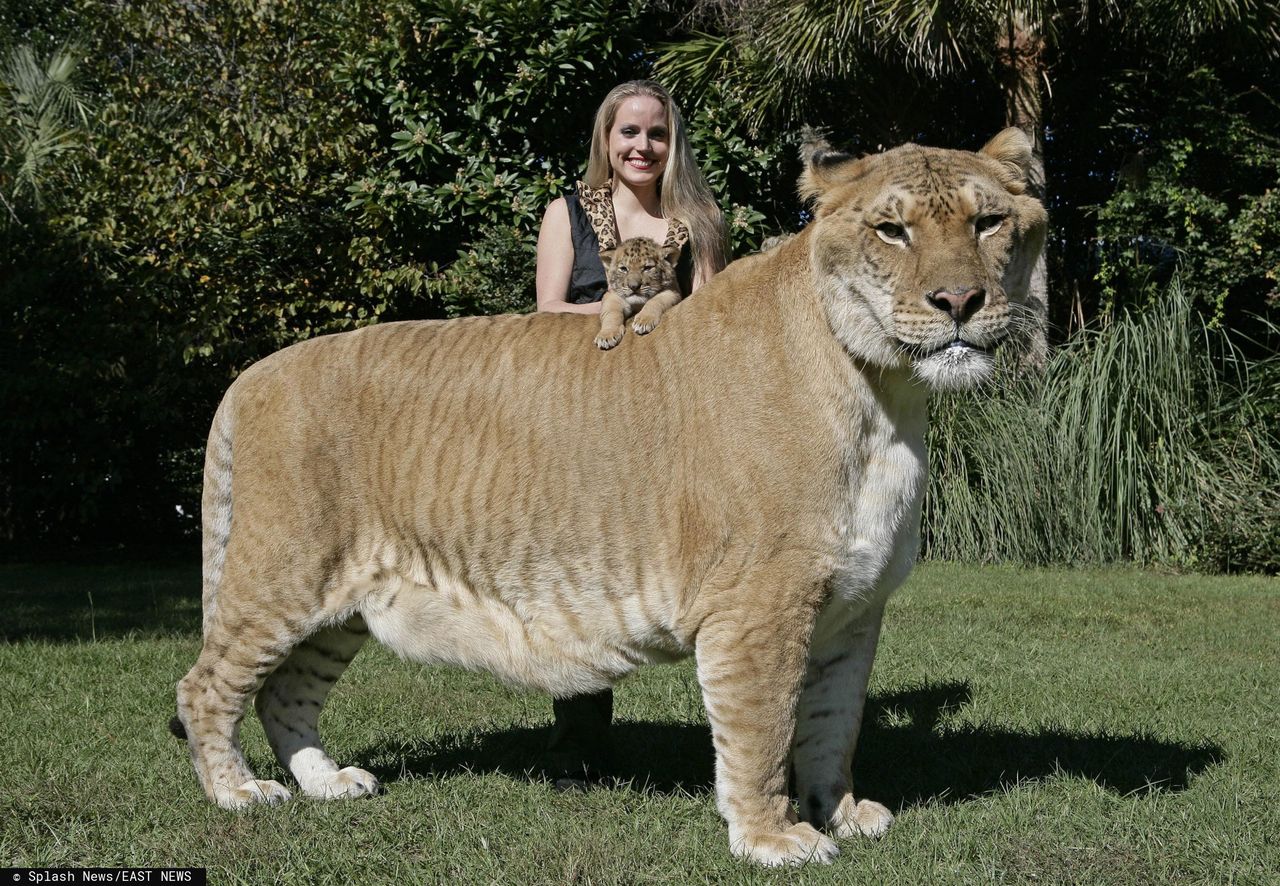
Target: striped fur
216, 508
743, 484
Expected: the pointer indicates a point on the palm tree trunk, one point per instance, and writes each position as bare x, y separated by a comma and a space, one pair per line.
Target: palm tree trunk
1020, 51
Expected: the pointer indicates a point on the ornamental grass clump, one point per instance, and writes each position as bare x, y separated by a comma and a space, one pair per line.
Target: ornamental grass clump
1141, 441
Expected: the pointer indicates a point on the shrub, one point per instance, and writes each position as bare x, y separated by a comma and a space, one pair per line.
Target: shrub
495, 275
1133, 445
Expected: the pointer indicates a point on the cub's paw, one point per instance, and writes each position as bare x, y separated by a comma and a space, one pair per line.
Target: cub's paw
252, 793
606, 340
345, 784
863, 817
798, 844
644, 325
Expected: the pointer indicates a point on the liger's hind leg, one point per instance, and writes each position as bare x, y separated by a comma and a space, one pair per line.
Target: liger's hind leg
212, 698
289, 706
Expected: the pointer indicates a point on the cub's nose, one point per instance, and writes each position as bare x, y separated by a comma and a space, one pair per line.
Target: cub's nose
960, 305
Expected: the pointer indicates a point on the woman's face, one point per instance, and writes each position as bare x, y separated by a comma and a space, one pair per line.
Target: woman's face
639, 141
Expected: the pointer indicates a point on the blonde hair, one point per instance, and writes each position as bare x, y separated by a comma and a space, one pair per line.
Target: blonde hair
682, 189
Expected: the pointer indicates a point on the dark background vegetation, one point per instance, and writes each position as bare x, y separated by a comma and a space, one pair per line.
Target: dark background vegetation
188, 186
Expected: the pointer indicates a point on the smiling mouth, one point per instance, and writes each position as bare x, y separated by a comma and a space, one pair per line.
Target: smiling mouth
640, 163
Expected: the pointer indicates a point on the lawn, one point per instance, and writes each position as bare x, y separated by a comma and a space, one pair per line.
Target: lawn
1046, 726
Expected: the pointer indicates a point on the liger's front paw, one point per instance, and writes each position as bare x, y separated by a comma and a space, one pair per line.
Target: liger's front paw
798, 844
251, 793
344, 784
863, 817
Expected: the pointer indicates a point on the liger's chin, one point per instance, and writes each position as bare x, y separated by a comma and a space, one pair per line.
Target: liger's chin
957, 367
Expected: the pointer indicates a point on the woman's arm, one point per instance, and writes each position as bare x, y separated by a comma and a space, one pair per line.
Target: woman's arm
555, 262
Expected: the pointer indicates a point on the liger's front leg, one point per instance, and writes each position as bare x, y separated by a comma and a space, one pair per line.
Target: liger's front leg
751, 673
828, 719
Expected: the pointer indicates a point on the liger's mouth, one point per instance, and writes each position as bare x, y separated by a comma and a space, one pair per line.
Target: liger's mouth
958, 345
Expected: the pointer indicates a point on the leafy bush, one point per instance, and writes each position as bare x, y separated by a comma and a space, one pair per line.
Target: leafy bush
1200, 193
494, 276
1130, 446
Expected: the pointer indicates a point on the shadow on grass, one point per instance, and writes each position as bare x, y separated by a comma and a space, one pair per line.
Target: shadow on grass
103, 600
903, 758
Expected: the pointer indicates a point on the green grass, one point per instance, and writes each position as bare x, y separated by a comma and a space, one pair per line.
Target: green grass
1026, 726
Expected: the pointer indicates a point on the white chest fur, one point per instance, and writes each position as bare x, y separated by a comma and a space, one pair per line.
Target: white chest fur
878, 518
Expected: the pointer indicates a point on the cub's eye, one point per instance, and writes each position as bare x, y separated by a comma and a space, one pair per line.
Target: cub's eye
988, 224
891, 233
622, 267
649, 266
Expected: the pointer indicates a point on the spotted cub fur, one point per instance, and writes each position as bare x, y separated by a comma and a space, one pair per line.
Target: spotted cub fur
642, 281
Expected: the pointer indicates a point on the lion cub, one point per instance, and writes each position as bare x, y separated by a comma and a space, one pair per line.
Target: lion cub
642, 277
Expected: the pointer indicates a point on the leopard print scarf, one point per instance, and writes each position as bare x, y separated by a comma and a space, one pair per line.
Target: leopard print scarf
597, 203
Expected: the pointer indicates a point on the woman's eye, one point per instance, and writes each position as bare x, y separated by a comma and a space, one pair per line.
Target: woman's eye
988, 224
892, 231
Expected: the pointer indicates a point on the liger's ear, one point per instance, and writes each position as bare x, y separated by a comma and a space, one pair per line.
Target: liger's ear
671, 254
823, 165
1012, 149
606, 256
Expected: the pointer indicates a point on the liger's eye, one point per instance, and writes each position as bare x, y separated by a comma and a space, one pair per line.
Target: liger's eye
890, 231
988, 224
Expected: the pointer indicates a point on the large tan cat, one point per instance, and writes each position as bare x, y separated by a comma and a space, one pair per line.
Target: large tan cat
488, 492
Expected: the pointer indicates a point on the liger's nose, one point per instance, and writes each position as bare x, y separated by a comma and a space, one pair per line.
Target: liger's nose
960, 305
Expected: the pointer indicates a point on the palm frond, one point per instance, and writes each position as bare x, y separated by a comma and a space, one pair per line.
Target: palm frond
42, 114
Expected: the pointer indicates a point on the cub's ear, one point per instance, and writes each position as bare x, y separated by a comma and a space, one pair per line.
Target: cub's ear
606, 256
1011, 148
671, 254
823, 165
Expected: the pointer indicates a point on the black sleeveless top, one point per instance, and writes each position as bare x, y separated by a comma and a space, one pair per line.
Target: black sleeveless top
592, 228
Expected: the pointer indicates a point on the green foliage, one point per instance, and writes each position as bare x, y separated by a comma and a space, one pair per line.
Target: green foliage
200, 226
518, 78
472, 103
1131, 446
1201, 189
739, 167
43, 116
255, 174
494, 276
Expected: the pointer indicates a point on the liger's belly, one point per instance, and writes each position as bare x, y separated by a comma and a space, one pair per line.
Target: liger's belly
553, 634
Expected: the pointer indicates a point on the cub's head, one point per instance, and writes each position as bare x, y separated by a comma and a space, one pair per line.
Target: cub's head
639, 268
923, 256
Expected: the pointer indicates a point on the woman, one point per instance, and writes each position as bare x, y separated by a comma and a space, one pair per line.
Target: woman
641, 181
